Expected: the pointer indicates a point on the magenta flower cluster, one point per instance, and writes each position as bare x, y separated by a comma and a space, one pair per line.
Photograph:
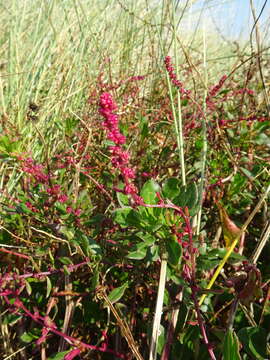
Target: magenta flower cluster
36, 170
177, 83
120, 157
215, 89
107, 108
213, 92
55, 191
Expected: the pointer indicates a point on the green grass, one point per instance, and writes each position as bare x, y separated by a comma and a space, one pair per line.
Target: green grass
52, 51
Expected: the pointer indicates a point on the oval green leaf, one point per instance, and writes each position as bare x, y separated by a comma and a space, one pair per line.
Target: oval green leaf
174, 251
116, 294
148, 192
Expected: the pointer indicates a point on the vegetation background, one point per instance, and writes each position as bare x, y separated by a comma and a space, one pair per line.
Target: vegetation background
134, 183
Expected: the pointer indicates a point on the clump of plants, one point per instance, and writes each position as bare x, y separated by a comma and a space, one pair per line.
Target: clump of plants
144, 233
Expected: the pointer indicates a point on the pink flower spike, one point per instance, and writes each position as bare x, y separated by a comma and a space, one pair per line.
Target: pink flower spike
106, 102
131, 189
129, 173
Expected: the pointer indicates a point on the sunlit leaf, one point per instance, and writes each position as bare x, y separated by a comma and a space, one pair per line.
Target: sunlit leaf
116, 294
171, 188
49, 286
149, 190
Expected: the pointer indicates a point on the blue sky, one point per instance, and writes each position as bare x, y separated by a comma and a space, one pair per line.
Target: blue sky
232, 17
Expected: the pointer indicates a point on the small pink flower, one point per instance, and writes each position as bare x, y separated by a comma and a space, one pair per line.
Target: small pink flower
106, 102
138, 77
77, 212
138, 199
172, 76
53, 190
129, 173
31, 207
215, 89
69, 210
131, 189
62, 198
36, 170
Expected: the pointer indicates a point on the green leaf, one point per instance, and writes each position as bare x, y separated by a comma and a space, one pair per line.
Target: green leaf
11, 319
188, 196
94, 280
199, 144
59, 356
184, 102
144, 127
231, 346
127, 217
207, 264
8, 145
52, 259
149, 219
149, 190
262, 139
191, 195
138, 254
174, 251
116, 294
70, 125
246, 172
254, 340
94, 247
27, 337
238, 182
161, 339
212, 258
69, 233
138, 251
28, 288
147, 238
65, 260
152, 254
122, 199
171, 188
49, 286
66, 271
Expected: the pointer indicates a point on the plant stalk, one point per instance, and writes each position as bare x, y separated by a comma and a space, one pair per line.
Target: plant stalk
178, 119
158, 309
204, 139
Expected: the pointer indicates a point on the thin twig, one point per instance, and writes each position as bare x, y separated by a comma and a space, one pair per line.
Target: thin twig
17, 237
125, 330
